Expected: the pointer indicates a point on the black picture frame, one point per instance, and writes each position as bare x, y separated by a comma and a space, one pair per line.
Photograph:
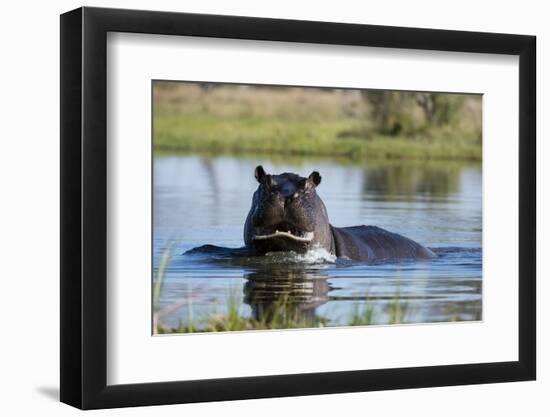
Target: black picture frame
84, 207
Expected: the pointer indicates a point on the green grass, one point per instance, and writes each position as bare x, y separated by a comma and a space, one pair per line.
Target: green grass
338, 138
233, 119
364, 315
159, 277
282, 314
279, 316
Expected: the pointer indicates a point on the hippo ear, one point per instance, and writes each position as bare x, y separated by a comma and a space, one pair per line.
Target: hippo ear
314, 178
259, 173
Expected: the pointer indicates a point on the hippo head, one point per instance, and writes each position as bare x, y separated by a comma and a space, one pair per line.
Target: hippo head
287, 214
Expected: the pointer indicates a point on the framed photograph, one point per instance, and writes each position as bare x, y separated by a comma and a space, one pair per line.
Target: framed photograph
257, 208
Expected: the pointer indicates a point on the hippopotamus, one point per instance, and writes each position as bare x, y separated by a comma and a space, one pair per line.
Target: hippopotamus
287, 214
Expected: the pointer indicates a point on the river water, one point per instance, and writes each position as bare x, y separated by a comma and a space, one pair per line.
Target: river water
205, 200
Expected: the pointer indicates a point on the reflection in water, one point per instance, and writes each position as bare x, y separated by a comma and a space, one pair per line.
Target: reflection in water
199, 201
290, 294
410, 180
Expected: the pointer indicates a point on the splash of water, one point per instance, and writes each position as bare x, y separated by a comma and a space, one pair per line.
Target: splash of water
315, 255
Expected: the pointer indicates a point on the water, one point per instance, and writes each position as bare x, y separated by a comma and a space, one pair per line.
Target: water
200, 201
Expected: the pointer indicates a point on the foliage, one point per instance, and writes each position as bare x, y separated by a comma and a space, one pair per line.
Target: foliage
324, 122
397, 113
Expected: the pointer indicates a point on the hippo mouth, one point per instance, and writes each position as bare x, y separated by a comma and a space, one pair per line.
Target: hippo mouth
282, 231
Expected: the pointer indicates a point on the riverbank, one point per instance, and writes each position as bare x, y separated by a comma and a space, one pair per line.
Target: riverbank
350, 124
342, 138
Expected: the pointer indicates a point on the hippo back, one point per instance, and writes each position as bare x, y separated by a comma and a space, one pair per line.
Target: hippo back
371, 243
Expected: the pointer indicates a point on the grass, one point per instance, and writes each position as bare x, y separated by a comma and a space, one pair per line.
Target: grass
159, 278
364, 315
202, 133
307, 122
281, 314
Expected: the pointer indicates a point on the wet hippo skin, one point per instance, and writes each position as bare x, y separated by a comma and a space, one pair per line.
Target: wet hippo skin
288, 215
